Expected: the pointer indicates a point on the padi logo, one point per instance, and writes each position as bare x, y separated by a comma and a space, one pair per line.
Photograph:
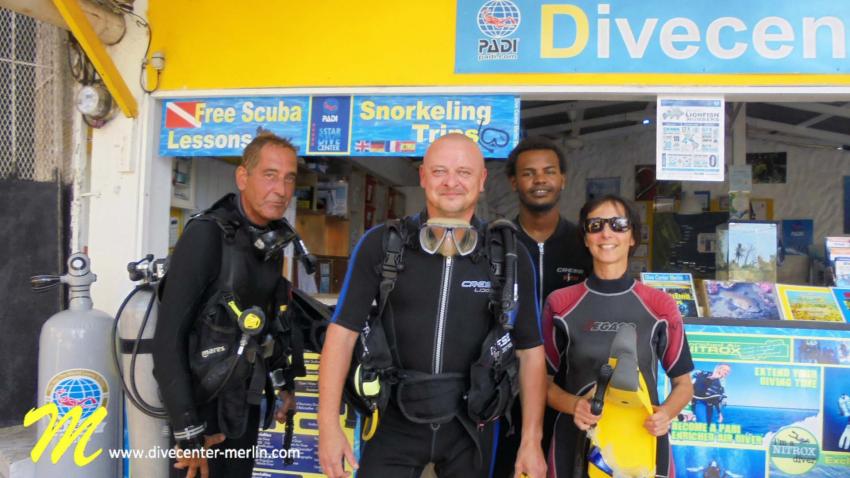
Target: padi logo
330, 108
498, 19
215, 350
479, 286
602, 326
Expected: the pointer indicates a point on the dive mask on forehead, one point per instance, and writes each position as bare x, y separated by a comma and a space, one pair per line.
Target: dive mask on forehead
448, 237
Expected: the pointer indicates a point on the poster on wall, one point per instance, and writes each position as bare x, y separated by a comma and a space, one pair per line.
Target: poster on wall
600, 187
690, 138
647, 186
301, 459
767, 402
407, 125
768, 168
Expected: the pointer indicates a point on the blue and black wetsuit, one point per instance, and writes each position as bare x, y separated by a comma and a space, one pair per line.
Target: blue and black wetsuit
440, 314
560, 261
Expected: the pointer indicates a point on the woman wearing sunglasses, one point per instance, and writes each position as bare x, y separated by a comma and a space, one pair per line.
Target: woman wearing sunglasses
579, 324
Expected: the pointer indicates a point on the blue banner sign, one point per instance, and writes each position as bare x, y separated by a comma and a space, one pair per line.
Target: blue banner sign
339, 125
224, 126
407, 125
652, 36
329, 125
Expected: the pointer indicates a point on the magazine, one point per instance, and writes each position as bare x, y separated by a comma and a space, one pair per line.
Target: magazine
842, 296
741, 300
680, 286
808, 303
841, 272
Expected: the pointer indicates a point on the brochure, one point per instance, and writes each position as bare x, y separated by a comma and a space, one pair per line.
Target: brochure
678, 286
808, 303
741, 300
842, 296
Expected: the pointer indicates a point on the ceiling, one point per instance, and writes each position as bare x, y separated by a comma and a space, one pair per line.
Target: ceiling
817, 125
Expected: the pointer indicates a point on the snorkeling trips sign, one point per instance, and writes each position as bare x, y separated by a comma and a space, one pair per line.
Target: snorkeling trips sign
339, 125
652, 36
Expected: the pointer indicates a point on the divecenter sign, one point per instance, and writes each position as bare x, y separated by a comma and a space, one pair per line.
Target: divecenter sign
339, 125
652, 36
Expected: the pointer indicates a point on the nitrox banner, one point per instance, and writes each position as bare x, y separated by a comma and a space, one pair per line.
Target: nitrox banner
652, 36
339, 125
768, 401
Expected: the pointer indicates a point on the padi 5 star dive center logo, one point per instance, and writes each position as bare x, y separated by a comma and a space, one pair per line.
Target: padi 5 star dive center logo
794, 450
498, 20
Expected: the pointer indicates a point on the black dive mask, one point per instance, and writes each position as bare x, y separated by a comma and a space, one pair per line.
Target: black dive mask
272, 240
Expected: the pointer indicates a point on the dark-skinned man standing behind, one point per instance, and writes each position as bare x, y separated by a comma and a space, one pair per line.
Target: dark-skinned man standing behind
537, 170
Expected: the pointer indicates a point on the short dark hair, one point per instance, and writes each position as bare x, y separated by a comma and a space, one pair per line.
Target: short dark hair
534, 143
251, 154
631, 213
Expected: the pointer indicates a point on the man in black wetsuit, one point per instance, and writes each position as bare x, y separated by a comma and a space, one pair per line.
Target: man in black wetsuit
537, 170
227, 261
440, 318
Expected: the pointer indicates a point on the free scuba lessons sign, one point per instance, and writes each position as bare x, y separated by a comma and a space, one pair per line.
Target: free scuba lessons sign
339, 125
652, 36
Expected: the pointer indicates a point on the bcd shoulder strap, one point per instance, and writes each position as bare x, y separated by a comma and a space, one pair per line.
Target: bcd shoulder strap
501, 251
393, 262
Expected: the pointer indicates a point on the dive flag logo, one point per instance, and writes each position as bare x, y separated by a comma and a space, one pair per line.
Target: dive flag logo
181, 115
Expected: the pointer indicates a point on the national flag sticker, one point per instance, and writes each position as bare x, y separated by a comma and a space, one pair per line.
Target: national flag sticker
182, 115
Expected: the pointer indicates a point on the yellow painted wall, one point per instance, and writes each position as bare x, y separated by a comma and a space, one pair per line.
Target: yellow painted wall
212, 44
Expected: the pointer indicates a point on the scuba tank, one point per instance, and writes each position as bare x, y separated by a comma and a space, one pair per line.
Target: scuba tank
76, 376
134, 325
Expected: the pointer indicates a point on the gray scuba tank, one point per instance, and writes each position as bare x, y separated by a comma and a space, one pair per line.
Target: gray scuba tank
76, 376
147, 427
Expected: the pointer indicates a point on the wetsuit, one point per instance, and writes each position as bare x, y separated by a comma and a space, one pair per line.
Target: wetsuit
579, 324
708, 397
560, 261
193, 271
440, 315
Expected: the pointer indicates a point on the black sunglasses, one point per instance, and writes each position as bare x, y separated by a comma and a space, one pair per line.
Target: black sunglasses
595, 224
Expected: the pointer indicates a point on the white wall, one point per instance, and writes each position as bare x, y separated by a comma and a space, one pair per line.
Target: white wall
814, 189
215, 178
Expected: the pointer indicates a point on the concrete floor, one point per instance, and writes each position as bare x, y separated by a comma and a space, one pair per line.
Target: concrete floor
15, 445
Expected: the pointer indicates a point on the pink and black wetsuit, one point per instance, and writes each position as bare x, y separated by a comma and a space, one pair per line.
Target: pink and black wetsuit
579, 323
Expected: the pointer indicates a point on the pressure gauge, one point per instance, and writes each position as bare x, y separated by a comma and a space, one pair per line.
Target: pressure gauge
94, 101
